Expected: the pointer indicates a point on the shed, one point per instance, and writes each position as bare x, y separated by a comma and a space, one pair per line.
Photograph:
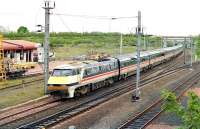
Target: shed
19, 50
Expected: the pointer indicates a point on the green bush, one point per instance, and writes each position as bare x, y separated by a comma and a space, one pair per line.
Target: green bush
190, 115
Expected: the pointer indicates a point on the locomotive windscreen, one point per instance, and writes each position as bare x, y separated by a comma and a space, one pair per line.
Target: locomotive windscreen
63, 72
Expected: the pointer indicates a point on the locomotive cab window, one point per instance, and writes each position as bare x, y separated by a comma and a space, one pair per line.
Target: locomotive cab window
64, 72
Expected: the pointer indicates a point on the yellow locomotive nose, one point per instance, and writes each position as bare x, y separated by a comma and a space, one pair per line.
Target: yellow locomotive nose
64, 80
59, 80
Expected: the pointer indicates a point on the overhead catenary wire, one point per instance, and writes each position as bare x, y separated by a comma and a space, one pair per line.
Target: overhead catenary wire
94, 17
64, 23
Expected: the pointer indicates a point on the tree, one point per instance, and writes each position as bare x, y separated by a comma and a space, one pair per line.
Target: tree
22, 29
190, 115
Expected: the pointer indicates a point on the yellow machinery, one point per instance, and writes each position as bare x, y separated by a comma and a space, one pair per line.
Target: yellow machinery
97, 56
2, 68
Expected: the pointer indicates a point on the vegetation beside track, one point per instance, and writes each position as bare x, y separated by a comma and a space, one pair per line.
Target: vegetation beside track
70, 44
189, 115
19, 81
17, 96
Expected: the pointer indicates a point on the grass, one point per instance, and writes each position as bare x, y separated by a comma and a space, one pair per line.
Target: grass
71, 51
18, 81
17, 96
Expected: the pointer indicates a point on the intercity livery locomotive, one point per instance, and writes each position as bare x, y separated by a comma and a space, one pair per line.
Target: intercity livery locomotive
80, 77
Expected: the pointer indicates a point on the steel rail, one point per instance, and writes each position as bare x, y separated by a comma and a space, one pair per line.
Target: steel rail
144, 118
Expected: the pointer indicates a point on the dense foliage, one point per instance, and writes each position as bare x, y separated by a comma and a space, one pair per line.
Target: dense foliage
190, 115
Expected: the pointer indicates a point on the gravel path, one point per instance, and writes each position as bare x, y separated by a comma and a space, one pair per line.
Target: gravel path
116, 111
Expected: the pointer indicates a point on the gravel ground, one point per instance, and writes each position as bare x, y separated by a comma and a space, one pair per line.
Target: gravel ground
170, 120
116, 111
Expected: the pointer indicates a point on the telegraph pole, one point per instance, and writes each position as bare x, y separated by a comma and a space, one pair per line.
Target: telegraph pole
184, 50
165, 42
147, 42
191, 43
47, 9
145, 46
121, 42
136, 94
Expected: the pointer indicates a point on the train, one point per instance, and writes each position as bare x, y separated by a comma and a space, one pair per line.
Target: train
77, 78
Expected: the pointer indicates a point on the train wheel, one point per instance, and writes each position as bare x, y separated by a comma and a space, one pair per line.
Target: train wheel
110, 81
85, 90
82, 90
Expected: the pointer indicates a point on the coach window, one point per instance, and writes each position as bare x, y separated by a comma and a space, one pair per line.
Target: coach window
104, 68
129, 62
78, 71
112, 66
94, 70
108, 67
100, 69
116, 65
142, 59
121, 64
89, 71
126, 63
133, 61
85, 73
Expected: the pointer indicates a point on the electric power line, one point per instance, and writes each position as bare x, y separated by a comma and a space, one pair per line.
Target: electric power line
94, 17
64, 23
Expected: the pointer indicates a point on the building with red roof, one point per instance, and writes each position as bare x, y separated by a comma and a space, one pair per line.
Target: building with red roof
20, 50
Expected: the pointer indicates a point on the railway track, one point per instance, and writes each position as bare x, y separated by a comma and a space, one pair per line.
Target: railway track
144, 118
27, 111
16, 114
88, 104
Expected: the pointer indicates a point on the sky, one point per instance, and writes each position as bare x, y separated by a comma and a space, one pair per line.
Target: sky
159, 17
